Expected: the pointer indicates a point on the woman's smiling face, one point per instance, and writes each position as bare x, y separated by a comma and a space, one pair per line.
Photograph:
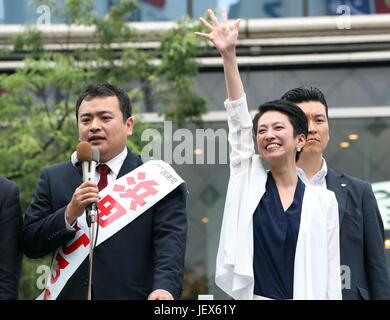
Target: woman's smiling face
275, 137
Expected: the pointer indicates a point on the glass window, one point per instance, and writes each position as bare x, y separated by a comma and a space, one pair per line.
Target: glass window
26, 12
264, 9
335, 7
1, 11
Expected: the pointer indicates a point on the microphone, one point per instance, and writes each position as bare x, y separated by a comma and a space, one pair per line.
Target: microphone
89, 157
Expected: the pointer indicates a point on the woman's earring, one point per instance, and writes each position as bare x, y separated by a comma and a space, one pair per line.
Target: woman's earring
299, 149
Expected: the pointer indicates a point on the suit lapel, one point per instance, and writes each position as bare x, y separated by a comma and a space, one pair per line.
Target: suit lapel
337, 183
131, 162
76, 178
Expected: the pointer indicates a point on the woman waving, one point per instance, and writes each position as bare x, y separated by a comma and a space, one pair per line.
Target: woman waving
279, 238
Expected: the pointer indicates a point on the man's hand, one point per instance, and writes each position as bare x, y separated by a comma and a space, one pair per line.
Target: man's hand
84, 195
160, 294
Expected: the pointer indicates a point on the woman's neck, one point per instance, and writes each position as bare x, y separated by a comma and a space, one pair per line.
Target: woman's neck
286, 181
285, 175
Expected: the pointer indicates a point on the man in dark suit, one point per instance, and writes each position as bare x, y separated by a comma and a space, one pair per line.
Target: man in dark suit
10, 228
363, 263
143, 260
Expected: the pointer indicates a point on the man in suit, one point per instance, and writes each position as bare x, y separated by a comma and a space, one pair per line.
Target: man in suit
143, 260
363, 263
10, 228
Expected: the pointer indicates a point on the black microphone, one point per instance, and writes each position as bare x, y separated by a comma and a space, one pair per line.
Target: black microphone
89, 157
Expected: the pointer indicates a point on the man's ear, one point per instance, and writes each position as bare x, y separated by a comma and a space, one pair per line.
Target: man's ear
130, 126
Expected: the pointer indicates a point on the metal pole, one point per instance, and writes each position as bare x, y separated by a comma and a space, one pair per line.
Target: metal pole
190, 11
91, 247
305, 12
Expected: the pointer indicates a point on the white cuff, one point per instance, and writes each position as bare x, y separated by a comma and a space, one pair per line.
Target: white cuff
68, 226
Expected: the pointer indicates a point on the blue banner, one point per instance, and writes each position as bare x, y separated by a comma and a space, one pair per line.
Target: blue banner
264, 8
335, 7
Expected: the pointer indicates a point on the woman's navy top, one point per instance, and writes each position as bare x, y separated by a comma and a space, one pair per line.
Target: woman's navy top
275, 239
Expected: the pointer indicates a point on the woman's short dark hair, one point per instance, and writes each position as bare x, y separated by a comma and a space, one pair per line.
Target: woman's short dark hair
295, 114
106, 90
301, 94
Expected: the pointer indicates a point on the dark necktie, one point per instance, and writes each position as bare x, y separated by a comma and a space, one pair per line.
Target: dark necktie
103, 169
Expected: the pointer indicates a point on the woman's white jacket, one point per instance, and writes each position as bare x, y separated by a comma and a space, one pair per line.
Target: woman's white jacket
317, 257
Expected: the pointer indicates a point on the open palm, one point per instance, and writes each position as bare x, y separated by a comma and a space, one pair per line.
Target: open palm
223, 38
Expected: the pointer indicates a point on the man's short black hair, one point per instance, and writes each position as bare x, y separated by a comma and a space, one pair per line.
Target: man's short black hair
106, 90
301, 94
295, 114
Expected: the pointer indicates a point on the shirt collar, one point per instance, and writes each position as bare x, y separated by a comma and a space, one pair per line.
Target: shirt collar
115, 163
318, 177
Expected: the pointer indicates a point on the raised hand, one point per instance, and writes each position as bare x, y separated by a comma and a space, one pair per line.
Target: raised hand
223, 38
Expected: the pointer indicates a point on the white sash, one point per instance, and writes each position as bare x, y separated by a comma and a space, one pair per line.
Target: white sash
121, 202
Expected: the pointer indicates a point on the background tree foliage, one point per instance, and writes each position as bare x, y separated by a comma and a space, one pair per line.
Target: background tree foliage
38, 125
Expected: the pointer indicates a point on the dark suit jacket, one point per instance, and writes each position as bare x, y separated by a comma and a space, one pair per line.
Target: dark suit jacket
145, 255
361, 238
10, 229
